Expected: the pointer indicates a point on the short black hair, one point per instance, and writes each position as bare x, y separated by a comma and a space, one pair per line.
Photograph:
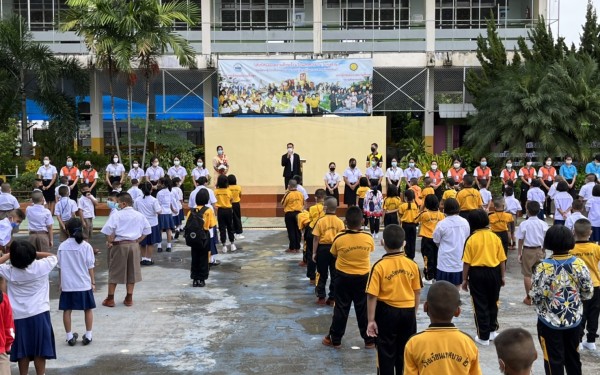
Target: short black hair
559, 239
393, 237
536, 183
64, 191
533, 208
563, 186
22, 254
597, 157
450, 181
354, 217
509, 191
582, 228
596, 191
392, 191
443, 300
451, 206
201, 180
432, 202
125, 198
577, 205
202, 197
298, 179
363, 181
468, 180
515, 347
232, 179
478, 219
135, 181
320, 194
222, 182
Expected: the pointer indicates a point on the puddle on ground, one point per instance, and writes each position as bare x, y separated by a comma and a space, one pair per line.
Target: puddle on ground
315, 325
278, 309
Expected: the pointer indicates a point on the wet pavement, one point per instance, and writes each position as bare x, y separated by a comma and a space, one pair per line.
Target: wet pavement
257, 315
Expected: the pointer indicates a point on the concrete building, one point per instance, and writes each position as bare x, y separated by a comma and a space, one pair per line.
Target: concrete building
421, 50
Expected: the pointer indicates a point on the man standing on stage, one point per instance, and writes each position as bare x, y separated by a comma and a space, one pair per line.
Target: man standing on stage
291, 164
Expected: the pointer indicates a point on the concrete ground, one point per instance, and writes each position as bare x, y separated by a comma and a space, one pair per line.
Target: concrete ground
257, 315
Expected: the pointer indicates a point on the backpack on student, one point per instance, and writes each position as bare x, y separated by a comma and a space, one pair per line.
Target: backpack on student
194, 232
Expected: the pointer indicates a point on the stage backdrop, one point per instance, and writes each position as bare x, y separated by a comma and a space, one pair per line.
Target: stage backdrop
254, 146
307, 87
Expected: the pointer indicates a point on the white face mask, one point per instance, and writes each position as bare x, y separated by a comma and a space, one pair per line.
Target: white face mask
394, 164
528, 164
176, 162
290, 150
433, 167
155, 164
200, 164
135, 165
456, 165
548, 163
569, 162
115, 160
46, 162
509, 166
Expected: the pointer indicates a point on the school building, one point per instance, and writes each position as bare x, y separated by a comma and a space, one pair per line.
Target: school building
421, 51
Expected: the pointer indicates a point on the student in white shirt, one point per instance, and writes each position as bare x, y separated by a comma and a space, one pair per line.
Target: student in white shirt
48, 174
512, 206
77, 282
530, 235
486, 197
394, 174
168, 204
124, 229
40, 223
7, 226
593, 209
65, 209
134, 190
153, 174
199, 171
576, 214
563, 202
28, 291
178, 217
149, 206
301, 188
412, 172
332, 183
7, 201
63, 181
352, 177
374, 174
177, 170
537, 195
212, 199
87, 210
585, 193
136, 172
450, 235
115, 172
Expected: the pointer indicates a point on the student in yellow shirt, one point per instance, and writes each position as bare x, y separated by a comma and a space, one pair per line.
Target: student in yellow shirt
352, 250
324, 233
201, 252
483, 274
393, 293
427, 190
516, 351
293, 203
315, 212
391, 204
468, 198
361, 192
236, 198
589, 252
408, 213
450, 191
429, 220
426, 352
500, 222
224, 212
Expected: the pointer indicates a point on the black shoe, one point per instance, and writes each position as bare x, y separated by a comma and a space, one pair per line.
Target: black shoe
85, 340
215, 263
196, 283
73, 341
159, 250
168, 249
202, 283
177, 234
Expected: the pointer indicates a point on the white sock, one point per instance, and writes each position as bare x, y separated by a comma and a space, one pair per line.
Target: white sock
169, 245
88, 334
69, 335
213, 258
159, 246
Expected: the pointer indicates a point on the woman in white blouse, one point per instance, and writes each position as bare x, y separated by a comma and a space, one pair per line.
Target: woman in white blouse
332, 183
352, 176
374, 174
177, 171
394, 175
153, 174
199, 171
48, 174
136, 172
115, 172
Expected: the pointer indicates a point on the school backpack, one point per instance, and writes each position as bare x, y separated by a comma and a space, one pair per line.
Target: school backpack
194, 232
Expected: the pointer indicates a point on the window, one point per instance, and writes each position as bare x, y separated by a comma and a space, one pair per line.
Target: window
257, 14
374, 14
464, 13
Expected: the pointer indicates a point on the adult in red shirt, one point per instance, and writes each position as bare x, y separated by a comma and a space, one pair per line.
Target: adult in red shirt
508, 176
437, 179
72, 174
547, 175
526, 174
482, 174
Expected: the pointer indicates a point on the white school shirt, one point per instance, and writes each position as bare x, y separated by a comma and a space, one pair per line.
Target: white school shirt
394, 174
586, 190
211, 197
301, 189
177, 171
178, 194
536, 194
127, 225
65, 208
450, 235
593, 210
332, 178
374, 173
29, 288
5, 232
8, 202
552, 191
86, 205
137, 173
562, 200
199, 172
570, 222
412, 173
155, 174
486, 196
38, 218
149, 207
75, 260
512, 205
115, 170
47, 172
167, 200
58, 187
135, 193
352, 174
532, 231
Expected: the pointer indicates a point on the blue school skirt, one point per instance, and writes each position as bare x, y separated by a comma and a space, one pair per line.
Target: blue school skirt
176, 220
165, 221
34, 337
83, 300
154, 237
595, 234
455, 278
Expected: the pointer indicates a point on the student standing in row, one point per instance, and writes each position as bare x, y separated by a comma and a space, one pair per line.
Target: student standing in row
428, 220
563, 203
391, 204
168, 206
72, 173
412, 172
8, 202
569, 172
236, 198
374, 174
535, 194
437, 180
508, 176
315, 212
373, 209
409, 211
468, 198
483, 175
592, 207
153, 174
48, 174
225, 213
500, 222
40, 224
150, 208
332, 182
450, 236
547, 175
527, 174
136, 173
457, 173
293, 203
89, 176
199, 171
115, 172
352, 175
65, 209
394, 175
177, 170
201, 249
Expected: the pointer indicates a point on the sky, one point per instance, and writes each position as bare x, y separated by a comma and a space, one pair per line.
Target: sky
572, 16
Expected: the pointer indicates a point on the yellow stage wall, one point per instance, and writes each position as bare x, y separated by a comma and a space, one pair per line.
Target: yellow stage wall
254, 146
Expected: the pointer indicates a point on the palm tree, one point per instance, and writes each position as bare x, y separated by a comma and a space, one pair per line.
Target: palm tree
29, 70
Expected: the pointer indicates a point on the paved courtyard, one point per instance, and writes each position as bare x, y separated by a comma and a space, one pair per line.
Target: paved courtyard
257, 315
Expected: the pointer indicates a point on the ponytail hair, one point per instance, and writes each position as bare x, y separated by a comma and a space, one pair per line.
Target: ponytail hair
75, 229
146, 188
410, 197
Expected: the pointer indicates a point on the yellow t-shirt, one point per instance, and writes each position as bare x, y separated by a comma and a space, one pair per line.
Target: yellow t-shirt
589, 252
450, 193
441, 349
352, 250
483, 249
327, 228
208, 217
303, 219
391, 203
499, 221
408, 215
224, 198
316, 212
469, 199
427, 191
362, 191
394, 279
428, 221
236, 193
292, 201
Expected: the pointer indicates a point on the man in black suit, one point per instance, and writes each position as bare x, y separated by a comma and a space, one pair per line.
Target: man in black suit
291, 164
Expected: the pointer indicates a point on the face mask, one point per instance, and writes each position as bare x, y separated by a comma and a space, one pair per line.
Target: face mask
569, 162
135, 165
220, 152
373, 149
87, 166
112, 205
433, 167
528, 164
373, 163
548, 163
332, 169
200, 164
411, 165
155, 164
176, 162
290, 150
509, 166
394, 164
352, 165
115, 160
46, 162
456, 165
483, 163
69, 164
14, 225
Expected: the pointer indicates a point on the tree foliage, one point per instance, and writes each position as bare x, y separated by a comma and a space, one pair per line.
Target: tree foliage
590, 36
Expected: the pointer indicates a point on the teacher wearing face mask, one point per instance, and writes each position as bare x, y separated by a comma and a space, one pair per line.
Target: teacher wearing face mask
332, 183
115, 172
220, 163
352, 176
290, 162
374, 154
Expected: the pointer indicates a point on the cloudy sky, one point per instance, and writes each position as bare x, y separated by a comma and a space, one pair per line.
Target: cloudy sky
572, 16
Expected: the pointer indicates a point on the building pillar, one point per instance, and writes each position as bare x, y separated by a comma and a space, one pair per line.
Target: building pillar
96, 115
207, 95
540, 9
205, 10
6, 8
317, 27
428, 117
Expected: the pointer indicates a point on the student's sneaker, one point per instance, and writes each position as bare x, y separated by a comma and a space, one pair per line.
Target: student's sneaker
493, 335
224, 250
169, 249
427, 282
73, 340
376, 236
177, 233
330, 302
482, 342
233, 247
159, 250
321, 301
85, 340
551, 216
327, 342
589, 345
239, 236
369, 345
214, 263
580, 347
